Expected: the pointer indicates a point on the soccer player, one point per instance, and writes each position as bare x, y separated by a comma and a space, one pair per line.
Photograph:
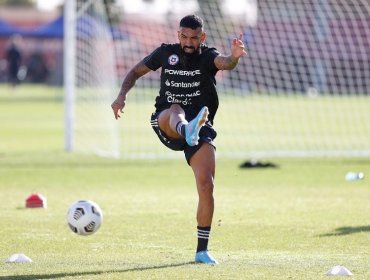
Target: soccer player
185, 108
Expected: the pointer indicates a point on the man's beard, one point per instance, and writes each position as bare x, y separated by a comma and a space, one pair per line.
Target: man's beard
187, 58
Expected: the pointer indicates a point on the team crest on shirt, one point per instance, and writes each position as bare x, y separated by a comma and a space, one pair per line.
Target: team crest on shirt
173, 59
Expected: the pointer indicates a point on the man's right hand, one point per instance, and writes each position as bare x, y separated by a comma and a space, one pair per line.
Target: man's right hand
117, 107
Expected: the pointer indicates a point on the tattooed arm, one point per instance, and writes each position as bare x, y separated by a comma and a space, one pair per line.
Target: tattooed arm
135, 73
237, 50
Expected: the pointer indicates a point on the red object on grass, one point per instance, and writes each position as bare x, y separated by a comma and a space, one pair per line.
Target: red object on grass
36, 200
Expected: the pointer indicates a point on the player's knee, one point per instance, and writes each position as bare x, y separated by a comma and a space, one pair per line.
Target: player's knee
205, 186
176, 109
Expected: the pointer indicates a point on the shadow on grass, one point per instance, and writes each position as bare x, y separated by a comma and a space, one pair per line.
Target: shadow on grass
77, 274
347, 230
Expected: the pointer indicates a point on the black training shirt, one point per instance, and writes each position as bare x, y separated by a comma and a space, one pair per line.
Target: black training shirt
192, 86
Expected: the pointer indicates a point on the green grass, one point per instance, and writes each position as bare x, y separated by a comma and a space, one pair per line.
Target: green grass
292, 222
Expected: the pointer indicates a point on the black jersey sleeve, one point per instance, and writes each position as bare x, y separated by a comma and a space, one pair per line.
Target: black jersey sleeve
153, 60
210, 56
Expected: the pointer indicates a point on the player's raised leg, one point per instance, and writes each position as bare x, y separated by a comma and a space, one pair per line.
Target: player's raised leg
203, 165
173, 123
170, 119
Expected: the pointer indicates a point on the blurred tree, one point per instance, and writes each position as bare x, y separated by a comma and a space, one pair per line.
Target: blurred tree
215, 24
27, 3
114, 11
205, 5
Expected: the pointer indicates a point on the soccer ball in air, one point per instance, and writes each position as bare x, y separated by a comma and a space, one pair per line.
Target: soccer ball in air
84, 217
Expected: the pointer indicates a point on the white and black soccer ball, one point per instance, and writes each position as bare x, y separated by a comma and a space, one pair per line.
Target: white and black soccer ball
84, 217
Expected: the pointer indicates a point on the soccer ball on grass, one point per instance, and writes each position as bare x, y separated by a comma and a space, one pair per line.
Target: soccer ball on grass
84, 217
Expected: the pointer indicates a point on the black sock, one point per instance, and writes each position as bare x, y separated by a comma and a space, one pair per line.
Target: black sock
180, 128
203, 235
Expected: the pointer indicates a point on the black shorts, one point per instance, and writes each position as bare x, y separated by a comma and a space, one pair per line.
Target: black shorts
206, 135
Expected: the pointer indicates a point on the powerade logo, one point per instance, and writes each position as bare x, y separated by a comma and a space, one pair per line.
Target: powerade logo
182, 72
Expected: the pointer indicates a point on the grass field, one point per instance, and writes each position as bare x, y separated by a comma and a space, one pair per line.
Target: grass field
291, 222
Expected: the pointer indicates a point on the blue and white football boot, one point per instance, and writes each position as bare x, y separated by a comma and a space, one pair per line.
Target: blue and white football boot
205, 257
193, 127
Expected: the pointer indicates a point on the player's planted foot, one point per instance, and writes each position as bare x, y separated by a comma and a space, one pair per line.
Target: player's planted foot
205, 257
192, 128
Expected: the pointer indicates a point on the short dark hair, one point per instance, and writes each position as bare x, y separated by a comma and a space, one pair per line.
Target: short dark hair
191, 21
